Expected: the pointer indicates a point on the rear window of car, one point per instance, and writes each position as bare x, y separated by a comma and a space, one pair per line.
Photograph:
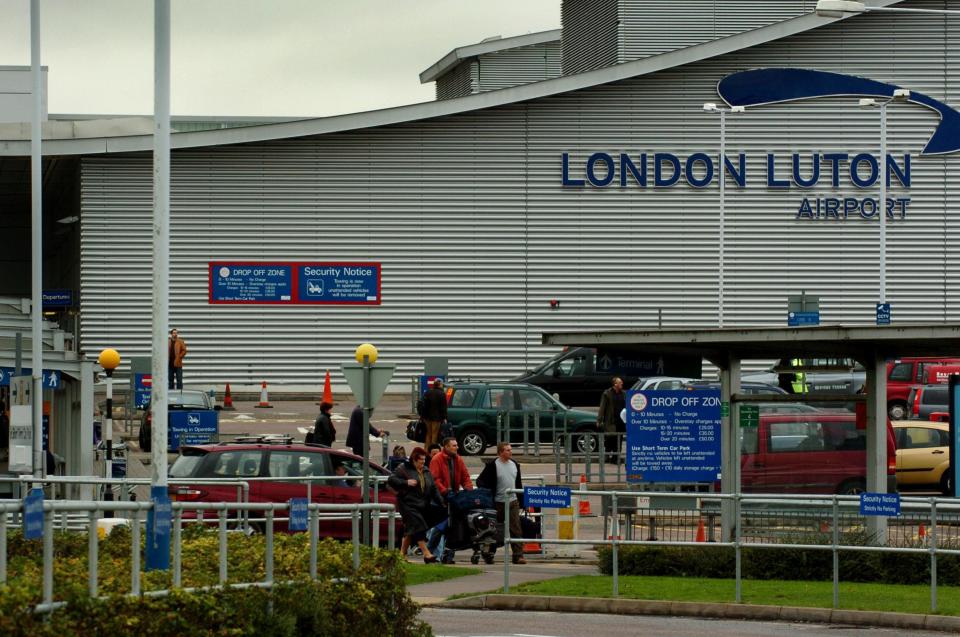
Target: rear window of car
190, 400
816, 436
234, 464
463, 397
186, 465
936, 394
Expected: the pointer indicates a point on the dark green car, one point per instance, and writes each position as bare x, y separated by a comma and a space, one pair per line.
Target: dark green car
482, 413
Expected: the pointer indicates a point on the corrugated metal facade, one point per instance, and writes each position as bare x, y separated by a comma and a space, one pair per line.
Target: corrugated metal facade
476, 234
501, 69
599, 34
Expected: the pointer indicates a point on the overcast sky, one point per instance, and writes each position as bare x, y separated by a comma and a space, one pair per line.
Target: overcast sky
256, 57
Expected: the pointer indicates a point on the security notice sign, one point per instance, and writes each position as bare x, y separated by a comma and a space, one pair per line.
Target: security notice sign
192, 428
294, 283
673, 436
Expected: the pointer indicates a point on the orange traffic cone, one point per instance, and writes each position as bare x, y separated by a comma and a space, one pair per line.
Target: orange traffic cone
584, 501
327, 392
264, 401
701, 532
922, 532
824, 526
532, 547
227, 400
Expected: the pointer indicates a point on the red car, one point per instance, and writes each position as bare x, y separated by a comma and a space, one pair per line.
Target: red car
903, 375
264, 460
809, 453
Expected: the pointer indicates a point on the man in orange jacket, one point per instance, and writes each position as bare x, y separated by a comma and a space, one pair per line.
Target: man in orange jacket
177, 351
450, 475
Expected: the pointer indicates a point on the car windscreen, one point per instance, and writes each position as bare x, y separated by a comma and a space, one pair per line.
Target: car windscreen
186, 465
187, 400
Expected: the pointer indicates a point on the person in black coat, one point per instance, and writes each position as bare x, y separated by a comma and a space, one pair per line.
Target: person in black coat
434, 411
355, 432
416, 498
324, 432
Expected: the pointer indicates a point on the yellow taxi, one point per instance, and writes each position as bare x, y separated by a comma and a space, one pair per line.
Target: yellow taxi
923, 454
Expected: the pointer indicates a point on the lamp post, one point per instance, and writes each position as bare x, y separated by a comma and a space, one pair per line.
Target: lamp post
109, 360
366, 355
711, 107
899, 94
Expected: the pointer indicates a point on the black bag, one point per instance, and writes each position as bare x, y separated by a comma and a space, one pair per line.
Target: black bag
308, 439
417, 431
446, 430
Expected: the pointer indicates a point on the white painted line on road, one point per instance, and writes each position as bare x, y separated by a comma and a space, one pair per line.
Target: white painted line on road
242, 417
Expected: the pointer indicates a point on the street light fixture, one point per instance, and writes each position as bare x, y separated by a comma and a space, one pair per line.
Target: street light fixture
366, 354
711, 107
109, 360
837, 9
899, 95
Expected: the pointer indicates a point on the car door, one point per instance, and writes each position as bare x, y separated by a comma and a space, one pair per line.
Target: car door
794, 446
542, 414
919, 452
348, 490
288, 464
571, 377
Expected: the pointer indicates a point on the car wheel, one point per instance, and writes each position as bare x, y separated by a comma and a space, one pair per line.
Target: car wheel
945, 483
472, 442
583, 443
852, 487
897, 411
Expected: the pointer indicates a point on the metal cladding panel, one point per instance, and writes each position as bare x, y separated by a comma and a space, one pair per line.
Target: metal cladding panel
590, 34
462, 80
520, 65
477, 235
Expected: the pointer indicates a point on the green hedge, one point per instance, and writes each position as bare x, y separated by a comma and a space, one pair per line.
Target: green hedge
784, 564
374, 603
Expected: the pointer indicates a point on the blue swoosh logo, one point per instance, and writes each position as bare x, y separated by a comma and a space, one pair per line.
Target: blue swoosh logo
770, 86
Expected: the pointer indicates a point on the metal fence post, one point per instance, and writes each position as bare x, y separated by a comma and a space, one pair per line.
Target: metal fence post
603, 456
536, 434
314, 534
177, 547
736, 544
47, 556
568, 446
269, 548
615, 532
3, 547
392, 529
836, 553
526, 431
355, 520
135, 553
506, 547
375, 517
92, 558
222, 540
933, 555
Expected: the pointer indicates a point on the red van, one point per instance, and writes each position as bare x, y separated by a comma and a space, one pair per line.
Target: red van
809, 453
903, 375
939, 374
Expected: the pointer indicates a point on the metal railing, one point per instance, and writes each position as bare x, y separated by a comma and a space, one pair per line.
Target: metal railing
135, 510
936, 510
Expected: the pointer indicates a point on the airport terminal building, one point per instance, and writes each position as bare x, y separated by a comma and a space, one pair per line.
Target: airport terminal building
562, 181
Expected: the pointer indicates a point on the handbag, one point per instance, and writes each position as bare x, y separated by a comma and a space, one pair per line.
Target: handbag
417, 431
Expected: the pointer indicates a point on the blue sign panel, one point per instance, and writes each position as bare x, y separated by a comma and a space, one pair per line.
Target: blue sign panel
341, 283
251, 283
33, 514
673, 436
883, 314
298, 514
57, 298
51, 379
426, 382
191, 428
158, 530
49, 376
954, 435
799, 319
142, 384
880, 504
547, 497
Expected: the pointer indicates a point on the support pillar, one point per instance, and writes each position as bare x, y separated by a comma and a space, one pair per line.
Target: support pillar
729, 443
876, 390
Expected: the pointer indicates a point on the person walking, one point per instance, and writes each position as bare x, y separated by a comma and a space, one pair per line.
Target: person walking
324, 433
355, 431
434, 412
450, 475
177, 351
501, 475
416, 499
612, 404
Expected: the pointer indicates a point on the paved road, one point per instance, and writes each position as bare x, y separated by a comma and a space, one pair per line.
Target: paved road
479, 623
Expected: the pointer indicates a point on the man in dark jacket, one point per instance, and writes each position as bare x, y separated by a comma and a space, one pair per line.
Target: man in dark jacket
434, 412
355, 432
501, 475
324, 432
612, 404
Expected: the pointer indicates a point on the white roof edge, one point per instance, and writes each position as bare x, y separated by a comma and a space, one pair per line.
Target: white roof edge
451, 59
428, 110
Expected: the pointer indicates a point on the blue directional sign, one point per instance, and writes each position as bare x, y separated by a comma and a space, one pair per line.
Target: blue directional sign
191, 428
883, 314
800, 319
887, 504
338, 283
298, 514
57, 298
159, 523
673, 436
33, 514
51, 379
426, 382
251, 283
49, 376
142, 385
547, 497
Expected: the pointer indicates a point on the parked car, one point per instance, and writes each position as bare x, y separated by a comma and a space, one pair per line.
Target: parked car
661, 382
813, 375
190, 400
923, 454
809, 453
903, 375
475, 409
746, 387
264, 460
580, 375
926, 401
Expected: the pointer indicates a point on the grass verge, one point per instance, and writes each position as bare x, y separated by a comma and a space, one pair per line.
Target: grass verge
427, 573
853, 596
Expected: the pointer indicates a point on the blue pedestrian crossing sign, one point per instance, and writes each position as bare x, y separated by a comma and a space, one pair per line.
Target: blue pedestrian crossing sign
51, 379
